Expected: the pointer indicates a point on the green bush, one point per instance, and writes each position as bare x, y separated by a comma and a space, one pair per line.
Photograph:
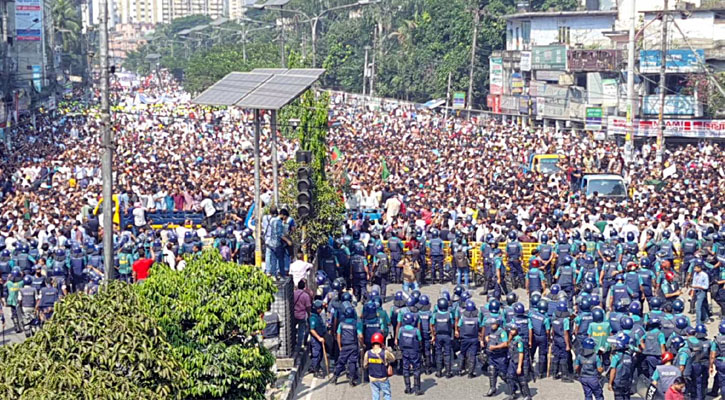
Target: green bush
211, 312
100, 347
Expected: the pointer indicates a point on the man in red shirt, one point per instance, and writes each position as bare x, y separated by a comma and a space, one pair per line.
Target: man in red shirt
141, 269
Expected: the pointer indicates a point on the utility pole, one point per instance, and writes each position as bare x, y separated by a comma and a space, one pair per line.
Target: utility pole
372, 67
107, 162
273, 134
257, 195
448, 98
365, 69
663, 87
476, 16
281, 39
629, 137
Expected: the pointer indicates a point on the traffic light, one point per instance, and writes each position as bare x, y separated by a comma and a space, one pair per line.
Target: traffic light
304, 188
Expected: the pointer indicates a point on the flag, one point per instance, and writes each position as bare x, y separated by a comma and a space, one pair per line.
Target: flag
249, 220
336, 155
386, 172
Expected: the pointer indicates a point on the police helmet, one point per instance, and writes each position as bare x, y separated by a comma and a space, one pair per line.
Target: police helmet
594, 300
320, 277
654, 323
542, 306
349, 313
411, 302
489, 238
346, 296
701, 330
442, 304
466, 295
424, 301
374, 293
27, 280
626, 322
656, 303
369, 309
494, 306
511, 298
15, 272
588, 287
317, 305
555, 288
566, 259
620, 306
336, 285
377, 338
60, 253
535, 297
562, 238
666, 234
622, 341
588, 344
458, 290
598, 315
577, 235
635, 308
519, 309
562, 306
677, 342
608, 253
356, 235
544, 238
470, 306
667, 357
446, 295
434, 233
58, 271
5, 253
408, 319
415, 294
630, 236
398, 296
645, 262
682, 323
721, 328
512, 327
512, 235
585, 305
678, 306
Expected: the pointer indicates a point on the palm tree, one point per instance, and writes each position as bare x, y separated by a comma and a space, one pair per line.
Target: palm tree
67, 22
404, 34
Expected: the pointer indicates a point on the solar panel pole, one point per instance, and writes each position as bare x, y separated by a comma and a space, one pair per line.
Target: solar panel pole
274, 157
257, 197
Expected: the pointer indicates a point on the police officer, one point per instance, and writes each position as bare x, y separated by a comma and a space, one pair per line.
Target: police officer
499, 275
514, 251
539, 332
647, 278
633, 281
441, 323
28, 300
398, 304
519, 363
581, 322
77, 265
497, 349
349, 339
565, 274
409, 340
246, 253
700, 349
360, 271
689, 246
588, 365
621, 372
717, 357
437, 256
424, 316
546, 255
611, 270
342, 258
665, 374
652, 346
619, 292
318, 330
395, 246
371, 323
629, 250
49, 295
468, 330
382, 269
561, 342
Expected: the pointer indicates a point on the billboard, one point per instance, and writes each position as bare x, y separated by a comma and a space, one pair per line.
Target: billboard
702, 128
28, 20
593, 60
677, 61
459, 100
549, 57
674, 105
495, 75
593, 119
525, 63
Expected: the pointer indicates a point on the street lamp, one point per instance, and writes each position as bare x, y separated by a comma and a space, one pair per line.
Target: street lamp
315, 19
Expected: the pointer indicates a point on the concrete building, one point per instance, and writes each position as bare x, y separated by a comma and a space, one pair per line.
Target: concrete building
185, 8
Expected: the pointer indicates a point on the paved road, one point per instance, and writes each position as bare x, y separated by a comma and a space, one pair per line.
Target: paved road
8, 335
458, 388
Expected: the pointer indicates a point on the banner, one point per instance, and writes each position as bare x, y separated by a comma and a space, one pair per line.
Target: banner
549, 57
495, 75
680, 61
38, 78
459, 100
593, 120
674, 105
28, 20
700, 128
525, 63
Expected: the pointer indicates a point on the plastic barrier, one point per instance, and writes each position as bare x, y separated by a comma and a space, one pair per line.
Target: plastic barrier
172, 219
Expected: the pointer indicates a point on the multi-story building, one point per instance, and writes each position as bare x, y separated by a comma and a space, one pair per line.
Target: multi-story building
185, 8
570, 67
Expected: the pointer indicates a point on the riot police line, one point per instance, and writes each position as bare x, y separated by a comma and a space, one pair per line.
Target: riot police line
586, 320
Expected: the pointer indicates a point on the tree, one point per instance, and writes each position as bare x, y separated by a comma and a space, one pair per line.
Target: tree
67, 22
708, 94
211, 312
100, 347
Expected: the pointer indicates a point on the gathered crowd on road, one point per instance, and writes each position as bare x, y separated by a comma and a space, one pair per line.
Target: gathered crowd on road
624, 278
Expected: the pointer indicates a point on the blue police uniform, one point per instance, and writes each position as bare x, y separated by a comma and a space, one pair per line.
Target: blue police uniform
442, 322
539, 326
349, 330
590, 363
468, 329
409, 339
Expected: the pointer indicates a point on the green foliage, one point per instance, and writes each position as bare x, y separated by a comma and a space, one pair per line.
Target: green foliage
205, 68
327, 205
100, 347
554, 5
708, 94
211, 313
67, 22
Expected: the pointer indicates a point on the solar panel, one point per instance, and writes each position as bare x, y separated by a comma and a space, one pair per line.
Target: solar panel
276, 3
230, 89
276, 92
269, 70
316, 72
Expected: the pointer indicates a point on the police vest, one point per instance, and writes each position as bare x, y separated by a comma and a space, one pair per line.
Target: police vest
689, 247
608, 245
425, 322
667, 374
342, 257
575, 247
591, 271
614, 318
4, 268
248, 248
409, 339
668, 326
564, 248
631, 280
95, 260
357, 263
376, 365
545, 252
469, 327
21, 260
584, 322
443, 323
620, 293
652, 345
38, 282
646, 277
698, 351
436, 247
589, 365
514, 351
625, 369
566, 276
522, 322
720, 342
537, 324
495, 340
666, 245
370, 326
383, 264
557, 325
48, 297
609, 269
394, 316
348, 333
394, 244
320, 326
535, 280
76, 265
513, 250
631, 248
28, 297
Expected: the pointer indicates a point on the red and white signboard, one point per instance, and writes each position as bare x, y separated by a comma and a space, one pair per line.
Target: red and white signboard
697, 128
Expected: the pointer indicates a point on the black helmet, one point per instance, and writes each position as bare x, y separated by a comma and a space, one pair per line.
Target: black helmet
442, 304
511, 298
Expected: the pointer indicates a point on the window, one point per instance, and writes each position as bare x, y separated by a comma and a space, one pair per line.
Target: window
526, 33
563, 36
518, 43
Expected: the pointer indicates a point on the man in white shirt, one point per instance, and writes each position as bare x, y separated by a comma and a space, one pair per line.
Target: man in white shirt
169, 257
139, 217
207, 205
299, 269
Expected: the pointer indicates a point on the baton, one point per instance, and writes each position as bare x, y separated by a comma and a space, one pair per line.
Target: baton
548, 364
327, 362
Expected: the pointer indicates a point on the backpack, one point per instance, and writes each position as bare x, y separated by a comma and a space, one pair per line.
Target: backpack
383, 267
461, 259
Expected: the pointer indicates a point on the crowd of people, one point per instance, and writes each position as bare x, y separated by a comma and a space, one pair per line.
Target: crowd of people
438, 181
